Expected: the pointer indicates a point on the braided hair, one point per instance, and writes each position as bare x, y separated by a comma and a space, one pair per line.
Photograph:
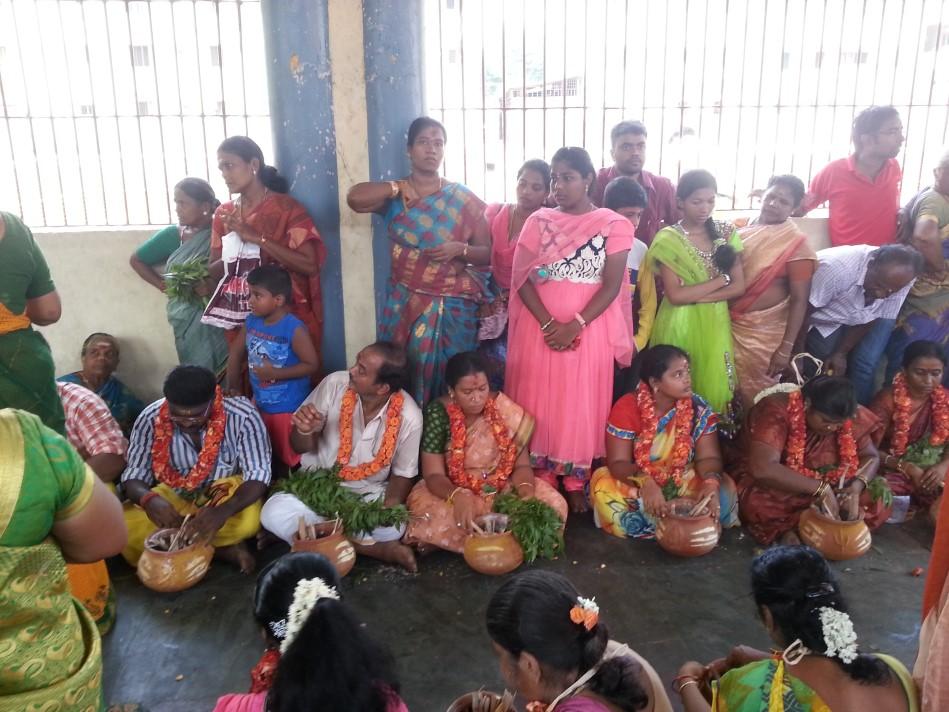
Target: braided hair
725, 255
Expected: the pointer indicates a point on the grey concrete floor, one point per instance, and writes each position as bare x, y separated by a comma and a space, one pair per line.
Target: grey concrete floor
668, 609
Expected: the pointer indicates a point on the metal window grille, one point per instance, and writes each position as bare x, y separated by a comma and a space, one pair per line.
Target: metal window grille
744, 88
108, 103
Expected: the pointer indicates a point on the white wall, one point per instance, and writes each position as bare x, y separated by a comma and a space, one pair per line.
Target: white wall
100, 292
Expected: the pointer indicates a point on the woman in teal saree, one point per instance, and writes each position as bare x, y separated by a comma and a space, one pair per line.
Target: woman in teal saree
185, 244
438, 235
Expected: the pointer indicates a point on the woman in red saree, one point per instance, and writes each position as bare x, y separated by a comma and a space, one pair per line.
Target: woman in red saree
568, 322
778, 265
263, 225
915, 416
804, 447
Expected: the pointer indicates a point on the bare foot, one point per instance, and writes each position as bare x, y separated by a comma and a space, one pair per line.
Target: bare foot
392, 552
239, 555
790, 539
265, 539
577, 502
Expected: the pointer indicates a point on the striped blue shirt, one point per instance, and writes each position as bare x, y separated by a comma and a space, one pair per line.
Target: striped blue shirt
245, 449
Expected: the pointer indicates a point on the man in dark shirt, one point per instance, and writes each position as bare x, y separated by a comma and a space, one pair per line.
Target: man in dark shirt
629, 156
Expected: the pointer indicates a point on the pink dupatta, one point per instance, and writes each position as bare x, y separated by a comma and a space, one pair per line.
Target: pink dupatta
550, 235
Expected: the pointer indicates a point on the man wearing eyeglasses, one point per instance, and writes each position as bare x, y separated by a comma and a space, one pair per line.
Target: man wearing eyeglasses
863, 190
198, 455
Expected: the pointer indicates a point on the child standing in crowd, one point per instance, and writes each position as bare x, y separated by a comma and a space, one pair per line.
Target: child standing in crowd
280, 354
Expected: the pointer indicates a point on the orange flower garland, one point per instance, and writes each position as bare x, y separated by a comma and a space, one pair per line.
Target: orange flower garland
797, 437
939, 404
681, 448
354, 473
165, 472
456, 450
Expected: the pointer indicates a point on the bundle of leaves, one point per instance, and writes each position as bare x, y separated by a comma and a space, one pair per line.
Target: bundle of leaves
181, 278
879, 489
322, 491
922, 454
535, 525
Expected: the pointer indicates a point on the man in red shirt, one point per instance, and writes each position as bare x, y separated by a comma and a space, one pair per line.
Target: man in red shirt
863, 190
629, 155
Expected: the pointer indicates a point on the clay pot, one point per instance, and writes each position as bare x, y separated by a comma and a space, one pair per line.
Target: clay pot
334, 546
682, 535
464, 703
171, 571
493, 554
836, 540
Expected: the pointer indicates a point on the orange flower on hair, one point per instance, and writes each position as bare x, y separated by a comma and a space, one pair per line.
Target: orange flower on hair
585, 613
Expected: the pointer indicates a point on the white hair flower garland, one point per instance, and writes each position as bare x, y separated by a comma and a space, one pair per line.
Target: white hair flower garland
839, 635
305, 596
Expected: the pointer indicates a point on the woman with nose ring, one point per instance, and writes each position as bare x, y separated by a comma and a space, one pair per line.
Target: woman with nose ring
439, 239
803, 447
915, 416
474, 445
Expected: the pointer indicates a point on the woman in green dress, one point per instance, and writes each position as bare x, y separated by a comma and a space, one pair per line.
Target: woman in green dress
52, 509
696, 262
187, 243
818, 666
27, 297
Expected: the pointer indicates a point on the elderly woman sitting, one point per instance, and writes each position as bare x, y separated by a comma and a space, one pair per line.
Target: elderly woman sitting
100, 358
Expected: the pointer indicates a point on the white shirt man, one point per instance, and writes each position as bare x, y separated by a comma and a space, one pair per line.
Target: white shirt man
316, 434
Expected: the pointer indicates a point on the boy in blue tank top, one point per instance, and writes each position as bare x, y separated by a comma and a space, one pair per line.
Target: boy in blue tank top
280, 356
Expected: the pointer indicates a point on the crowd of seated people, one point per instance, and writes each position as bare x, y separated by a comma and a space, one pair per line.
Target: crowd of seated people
603, 343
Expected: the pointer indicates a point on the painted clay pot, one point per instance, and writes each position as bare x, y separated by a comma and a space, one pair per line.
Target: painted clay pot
475, 700
170, 571
835, 539
333, 545
682, 535
493, 554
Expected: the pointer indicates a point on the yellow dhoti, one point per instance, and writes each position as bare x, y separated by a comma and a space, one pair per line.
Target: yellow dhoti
243, 525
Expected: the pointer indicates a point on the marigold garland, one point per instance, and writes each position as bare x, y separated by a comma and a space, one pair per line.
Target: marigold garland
681, 448
354, 473
165, 472
939, 405
455, 456
797, 437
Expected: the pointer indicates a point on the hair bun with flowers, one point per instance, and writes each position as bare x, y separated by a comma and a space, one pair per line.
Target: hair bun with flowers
305, 597
839, 636
585, 612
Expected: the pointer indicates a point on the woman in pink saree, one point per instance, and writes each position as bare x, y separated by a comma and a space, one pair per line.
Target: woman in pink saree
568, 322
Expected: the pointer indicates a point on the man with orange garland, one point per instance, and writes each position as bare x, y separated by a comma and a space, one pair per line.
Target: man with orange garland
210, 457
364, 421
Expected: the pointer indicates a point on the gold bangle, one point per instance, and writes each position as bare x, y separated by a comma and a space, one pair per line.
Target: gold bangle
684, 684
819, 492
394, 187
451, 497
522, 484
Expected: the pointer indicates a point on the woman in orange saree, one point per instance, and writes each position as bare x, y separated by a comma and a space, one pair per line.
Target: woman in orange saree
474, 446
914, 440
802, 447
